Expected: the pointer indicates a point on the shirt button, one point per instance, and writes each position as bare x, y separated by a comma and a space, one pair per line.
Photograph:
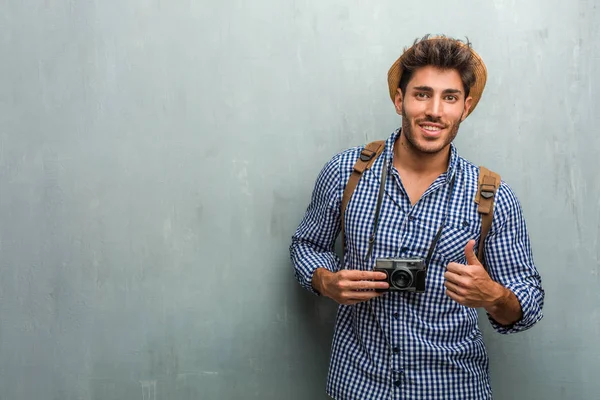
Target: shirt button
398, 383
404, 249
396, 350
396, 315
411, 218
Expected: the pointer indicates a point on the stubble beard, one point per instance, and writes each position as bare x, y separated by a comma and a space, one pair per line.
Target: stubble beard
415, 146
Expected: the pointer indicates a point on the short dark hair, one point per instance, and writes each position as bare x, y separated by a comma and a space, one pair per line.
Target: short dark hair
441, 52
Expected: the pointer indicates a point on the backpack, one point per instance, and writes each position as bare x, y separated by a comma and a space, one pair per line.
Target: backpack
488, 184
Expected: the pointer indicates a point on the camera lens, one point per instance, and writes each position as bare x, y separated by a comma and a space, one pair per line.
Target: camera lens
401, 279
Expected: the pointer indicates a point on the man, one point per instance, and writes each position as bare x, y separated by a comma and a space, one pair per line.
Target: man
413, 345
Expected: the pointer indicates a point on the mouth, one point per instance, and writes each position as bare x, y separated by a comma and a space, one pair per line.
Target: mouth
431, 129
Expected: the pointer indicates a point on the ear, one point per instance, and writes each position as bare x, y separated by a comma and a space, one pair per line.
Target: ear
398, 101
468, 103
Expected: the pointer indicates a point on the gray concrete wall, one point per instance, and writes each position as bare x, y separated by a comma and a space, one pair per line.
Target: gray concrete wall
155, 158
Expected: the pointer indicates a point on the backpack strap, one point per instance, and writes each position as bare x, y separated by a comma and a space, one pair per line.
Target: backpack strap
488, 184
366, 159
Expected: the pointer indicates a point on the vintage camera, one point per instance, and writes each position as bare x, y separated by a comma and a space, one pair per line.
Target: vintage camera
403, 274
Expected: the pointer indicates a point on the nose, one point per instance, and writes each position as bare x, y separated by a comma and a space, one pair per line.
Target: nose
434, 109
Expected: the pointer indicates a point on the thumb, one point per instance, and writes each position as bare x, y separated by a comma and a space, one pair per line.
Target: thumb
470, 253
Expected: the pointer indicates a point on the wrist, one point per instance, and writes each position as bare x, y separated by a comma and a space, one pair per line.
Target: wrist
505, 309
498, 298
318, 280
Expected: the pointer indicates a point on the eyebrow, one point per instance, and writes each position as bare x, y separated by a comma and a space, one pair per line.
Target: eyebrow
430, 89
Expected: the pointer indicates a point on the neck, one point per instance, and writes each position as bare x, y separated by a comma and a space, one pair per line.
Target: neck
410, 159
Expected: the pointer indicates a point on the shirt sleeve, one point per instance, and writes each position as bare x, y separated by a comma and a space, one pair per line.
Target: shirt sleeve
314, 240
510, 261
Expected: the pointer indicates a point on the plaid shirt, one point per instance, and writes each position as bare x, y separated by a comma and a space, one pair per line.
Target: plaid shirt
413, 345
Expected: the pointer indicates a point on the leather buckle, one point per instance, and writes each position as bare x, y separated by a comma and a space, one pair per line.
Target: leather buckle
366, 155
487, 191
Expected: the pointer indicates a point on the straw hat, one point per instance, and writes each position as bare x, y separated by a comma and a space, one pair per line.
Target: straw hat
395, 73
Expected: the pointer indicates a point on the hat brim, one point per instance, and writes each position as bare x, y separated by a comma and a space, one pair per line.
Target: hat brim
395, 74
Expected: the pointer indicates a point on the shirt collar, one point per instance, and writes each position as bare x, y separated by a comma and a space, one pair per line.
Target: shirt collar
452, 165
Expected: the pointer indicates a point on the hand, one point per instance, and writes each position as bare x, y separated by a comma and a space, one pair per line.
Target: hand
470, 285
349, 286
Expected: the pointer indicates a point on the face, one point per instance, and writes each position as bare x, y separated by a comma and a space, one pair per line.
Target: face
432, 109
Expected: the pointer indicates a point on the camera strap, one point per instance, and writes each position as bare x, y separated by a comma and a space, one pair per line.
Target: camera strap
439, 232
378, 210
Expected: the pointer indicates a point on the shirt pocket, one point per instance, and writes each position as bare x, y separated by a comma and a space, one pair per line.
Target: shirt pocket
454, 238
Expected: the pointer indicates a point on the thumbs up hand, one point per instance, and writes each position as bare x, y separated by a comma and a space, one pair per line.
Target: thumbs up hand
470, 254
470, 285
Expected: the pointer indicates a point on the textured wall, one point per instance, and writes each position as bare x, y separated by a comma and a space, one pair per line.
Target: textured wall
155, 158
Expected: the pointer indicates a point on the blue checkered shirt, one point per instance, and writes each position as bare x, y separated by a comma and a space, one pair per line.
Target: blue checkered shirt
413, 345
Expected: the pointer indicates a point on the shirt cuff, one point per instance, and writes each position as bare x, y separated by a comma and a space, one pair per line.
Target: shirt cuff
532, 312
305, 274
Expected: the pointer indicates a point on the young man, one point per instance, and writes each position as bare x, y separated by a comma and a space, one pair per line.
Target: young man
418, 344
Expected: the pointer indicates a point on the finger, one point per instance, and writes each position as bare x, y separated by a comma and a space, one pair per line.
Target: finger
456, 289
356, 275
363, 296
367, 285
470, 253
454, 296
455, 268
455, 278
353, 297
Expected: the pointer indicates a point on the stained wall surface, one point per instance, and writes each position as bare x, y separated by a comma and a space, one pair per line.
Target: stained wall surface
156, 157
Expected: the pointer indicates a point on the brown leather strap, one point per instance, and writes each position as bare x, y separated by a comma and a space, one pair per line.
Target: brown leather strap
488, 184
366, 159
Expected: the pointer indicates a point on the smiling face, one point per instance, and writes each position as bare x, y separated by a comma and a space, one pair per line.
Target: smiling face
432, 108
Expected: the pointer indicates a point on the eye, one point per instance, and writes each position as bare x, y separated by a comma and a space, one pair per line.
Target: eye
421, 95
451, 97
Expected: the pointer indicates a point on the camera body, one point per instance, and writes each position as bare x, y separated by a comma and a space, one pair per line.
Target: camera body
403, 274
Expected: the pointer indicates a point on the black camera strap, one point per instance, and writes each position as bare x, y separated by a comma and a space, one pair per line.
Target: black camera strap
439, 232
378, 210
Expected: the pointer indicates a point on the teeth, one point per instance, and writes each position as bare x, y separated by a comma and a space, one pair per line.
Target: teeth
430, 128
